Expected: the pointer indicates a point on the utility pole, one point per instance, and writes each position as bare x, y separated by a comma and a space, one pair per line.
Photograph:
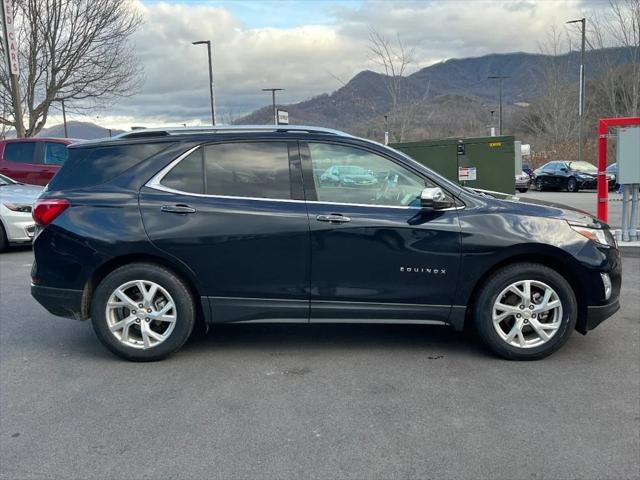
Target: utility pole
583, 24
64, 119
11, 49
211, 96
273, 99
500, 78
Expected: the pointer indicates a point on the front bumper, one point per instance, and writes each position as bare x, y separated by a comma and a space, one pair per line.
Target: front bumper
592, 183
18, 225
61, 302
598, 314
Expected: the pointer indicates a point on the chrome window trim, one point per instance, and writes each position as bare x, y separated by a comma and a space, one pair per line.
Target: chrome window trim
155, 183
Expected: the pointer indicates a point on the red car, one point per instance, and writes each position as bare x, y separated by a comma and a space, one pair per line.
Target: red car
33, 160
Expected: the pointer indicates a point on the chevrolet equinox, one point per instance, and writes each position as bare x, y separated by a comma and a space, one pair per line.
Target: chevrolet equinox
155, 230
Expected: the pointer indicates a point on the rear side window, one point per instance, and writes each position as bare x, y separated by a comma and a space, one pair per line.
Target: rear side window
188, 175
22, 152
93, 166
259, 169
55, 153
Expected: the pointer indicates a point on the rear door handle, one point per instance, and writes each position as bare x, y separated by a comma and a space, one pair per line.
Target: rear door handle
333, 218
180, 209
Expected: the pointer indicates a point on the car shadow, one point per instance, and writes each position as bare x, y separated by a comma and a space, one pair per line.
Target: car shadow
430, 340
16, 249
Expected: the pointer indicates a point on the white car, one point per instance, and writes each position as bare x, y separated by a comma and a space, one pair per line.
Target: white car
16, 200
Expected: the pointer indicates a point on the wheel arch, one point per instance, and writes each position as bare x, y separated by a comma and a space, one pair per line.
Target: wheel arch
202, 311
554, 262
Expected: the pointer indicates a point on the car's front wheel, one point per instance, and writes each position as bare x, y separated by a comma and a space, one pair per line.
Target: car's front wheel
4, 243
525, 311
572, 185
539, 185
142, 312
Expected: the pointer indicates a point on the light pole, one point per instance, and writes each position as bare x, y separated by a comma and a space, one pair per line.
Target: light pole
212, 98
64, 119
500, 78
273, 99
583, 24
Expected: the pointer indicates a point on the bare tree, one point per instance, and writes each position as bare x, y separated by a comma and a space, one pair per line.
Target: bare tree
72, 50
553, 118
395, 60
618, 89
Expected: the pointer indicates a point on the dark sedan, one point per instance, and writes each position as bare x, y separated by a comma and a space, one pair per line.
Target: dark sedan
568, 175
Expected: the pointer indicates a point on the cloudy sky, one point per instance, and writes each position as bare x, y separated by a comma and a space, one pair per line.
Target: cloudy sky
305, 46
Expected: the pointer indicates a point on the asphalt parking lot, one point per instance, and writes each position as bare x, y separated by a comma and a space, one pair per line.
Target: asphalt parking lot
280, 402
584, 200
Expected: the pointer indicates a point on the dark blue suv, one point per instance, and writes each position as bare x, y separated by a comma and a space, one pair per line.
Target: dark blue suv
155, 230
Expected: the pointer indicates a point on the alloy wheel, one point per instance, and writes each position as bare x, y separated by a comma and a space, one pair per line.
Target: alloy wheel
141, 314
539, 185
527, 314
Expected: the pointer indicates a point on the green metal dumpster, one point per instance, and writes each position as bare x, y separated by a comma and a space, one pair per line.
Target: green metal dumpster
483, 162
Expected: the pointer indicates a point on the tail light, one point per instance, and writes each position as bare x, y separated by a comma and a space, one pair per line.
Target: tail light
45, 211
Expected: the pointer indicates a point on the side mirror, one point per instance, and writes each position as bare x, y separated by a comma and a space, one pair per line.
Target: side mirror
434, 198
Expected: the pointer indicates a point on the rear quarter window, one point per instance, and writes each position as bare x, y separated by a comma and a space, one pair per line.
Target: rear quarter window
88, 166
21, 152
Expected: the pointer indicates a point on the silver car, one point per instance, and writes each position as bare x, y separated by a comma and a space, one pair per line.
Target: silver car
16, 200
523, 182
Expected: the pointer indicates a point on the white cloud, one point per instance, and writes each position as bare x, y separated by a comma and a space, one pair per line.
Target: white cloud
306, 59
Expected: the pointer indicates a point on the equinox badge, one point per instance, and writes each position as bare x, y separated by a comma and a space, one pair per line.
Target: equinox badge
431, 271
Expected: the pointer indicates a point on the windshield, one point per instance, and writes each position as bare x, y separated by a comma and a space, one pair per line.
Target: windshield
5, 181
583, 167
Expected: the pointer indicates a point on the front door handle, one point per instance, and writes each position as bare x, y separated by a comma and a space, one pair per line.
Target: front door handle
180, 209
333, 218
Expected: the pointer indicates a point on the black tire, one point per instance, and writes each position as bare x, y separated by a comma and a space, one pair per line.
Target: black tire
539, 186
572, 185
184, 306
523, 190
483, 307
4, 243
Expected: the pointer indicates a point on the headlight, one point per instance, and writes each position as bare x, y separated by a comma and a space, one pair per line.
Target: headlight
597, 235
17, 207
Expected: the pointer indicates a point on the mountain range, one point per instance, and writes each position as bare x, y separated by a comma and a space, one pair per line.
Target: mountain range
441, 92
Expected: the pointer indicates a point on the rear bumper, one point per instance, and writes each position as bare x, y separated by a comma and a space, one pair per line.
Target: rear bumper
598, 314
61, 302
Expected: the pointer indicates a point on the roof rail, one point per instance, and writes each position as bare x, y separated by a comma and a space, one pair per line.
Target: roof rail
167, 131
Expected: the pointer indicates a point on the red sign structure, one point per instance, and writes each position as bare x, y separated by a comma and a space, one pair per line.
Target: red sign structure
604, 124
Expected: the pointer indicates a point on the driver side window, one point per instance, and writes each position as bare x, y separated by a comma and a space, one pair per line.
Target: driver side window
344, 174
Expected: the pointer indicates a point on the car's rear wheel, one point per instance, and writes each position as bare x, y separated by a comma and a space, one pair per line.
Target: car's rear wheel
572, 185
523, 190
142, 312
525, 311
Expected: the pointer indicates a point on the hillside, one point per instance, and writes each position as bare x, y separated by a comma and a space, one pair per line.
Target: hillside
438, 92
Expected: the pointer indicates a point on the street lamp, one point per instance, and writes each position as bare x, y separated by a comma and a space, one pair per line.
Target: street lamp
583, 22
273, 99
212, 98
500, 78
